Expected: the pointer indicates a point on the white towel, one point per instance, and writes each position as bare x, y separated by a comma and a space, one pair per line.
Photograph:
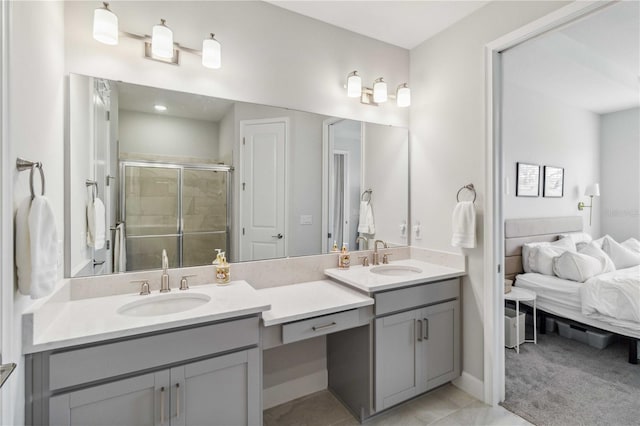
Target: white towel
366, 224
119, 250
96, 224
464, 225
23, 247
36, 247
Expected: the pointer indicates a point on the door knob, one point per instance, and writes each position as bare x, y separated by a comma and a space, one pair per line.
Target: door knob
279, 236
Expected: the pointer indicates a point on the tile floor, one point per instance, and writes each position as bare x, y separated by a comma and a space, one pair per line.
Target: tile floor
447, 405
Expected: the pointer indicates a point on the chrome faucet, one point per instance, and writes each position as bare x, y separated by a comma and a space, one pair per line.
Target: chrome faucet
376, 256
164, 279
366, 241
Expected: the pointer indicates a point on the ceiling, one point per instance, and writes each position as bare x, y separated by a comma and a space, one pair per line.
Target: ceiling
593, 64
402, 23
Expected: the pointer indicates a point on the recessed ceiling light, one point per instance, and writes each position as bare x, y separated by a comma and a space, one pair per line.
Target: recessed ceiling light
160, 108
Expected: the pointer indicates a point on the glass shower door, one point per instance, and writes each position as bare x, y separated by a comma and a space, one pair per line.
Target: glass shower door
151, 212
204, 214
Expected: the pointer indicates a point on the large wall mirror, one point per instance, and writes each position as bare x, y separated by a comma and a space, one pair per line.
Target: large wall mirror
151, 169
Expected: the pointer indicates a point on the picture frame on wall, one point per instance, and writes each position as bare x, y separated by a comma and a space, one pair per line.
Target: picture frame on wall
553, 182
527, 180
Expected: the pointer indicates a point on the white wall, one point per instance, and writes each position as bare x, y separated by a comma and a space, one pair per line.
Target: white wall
542, 130
620, 174
447, 142
166, 135
386, 153
35, 132
270, 56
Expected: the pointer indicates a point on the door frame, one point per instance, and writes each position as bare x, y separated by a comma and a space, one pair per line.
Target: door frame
287, 187
494, 366
327, 147
346, 205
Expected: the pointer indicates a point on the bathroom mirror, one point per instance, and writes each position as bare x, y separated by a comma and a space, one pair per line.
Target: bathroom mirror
190, 174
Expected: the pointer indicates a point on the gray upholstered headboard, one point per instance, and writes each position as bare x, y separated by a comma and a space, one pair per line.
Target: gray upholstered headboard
520, 231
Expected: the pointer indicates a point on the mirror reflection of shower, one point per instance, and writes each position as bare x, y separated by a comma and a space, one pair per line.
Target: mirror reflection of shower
345, 182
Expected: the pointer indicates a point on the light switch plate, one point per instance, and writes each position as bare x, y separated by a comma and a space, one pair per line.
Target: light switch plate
306, 219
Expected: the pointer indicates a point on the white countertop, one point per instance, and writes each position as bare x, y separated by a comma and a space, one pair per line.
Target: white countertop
306, 300
84, 321
363, 279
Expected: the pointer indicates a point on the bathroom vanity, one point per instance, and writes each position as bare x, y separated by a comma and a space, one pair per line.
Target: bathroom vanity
195, 356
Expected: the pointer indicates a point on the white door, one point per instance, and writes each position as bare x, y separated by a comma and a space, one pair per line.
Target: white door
262, 190
339, 203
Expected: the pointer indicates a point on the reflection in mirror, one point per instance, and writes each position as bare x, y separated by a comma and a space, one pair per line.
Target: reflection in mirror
190, 174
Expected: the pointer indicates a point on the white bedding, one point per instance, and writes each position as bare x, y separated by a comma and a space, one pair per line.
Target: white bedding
550, 288
614, 294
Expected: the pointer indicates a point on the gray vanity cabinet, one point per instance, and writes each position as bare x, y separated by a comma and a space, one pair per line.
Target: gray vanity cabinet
219, 391
204, 375
415, 351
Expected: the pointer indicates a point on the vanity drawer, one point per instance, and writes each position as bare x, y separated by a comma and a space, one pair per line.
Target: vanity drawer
96, 363
420, 295
319, 326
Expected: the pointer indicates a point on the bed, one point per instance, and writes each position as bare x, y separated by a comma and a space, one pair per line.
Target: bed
563, 298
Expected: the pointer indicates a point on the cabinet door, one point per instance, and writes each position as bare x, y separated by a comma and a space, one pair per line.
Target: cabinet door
441, 343
134, 401
222, 391
397, 351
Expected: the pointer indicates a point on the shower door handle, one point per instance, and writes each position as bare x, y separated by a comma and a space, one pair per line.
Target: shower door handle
279, 236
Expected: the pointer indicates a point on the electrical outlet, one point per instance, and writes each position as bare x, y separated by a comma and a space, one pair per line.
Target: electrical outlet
417, 231
306, 219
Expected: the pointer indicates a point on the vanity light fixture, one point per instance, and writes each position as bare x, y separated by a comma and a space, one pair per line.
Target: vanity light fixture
211, 57
105, 25
160, 108
160, 46
378, 93
591, 191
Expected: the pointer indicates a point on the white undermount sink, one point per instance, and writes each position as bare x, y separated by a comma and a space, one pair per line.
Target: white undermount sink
395, 270
163, 304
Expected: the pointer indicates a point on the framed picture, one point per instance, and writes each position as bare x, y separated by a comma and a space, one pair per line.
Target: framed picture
553, 181
527, 180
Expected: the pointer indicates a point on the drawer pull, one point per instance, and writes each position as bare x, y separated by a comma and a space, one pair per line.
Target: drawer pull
322, 327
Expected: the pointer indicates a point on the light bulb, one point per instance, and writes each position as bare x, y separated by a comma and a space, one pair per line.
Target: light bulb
354, 85
211, 56
162, 41
379, 91
105, 25
160, 108
403, 95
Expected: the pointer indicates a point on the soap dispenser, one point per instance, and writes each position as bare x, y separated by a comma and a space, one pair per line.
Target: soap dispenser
223, 270
335, 247
344, 259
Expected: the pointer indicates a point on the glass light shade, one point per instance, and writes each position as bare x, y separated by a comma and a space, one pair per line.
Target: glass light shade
354, 85
211, 53
592, 190
105, 26
162, 41
379, 91
403, 95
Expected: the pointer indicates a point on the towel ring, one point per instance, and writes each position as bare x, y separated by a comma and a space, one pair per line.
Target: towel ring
39, 167
94, 189
366, 195
468, 187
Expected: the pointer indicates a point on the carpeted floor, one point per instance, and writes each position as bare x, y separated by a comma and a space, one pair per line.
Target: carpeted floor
563, 382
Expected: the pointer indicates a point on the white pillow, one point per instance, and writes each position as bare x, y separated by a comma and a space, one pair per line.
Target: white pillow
542, 259
632, 244
600, 240
576, 266
528, 249
622, 256
578, 237
594, 251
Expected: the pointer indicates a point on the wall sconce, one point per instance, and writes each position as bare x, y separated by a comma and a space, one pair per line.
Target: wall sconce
159, 46
591, 191
378, 93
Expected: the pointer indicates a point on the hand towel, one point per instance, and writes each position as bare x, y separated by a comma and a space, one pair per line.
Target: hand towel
366, 224
23, 247
96, 224
43, 237
119, 250
464, 225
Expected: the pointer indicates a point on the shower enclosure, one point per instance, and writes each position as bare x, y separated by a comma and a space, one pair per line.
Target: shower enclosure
182, 208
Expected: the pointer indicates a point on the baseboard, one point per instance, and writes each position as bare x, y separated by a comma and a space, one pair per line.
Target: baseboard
288, 391
471, 385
